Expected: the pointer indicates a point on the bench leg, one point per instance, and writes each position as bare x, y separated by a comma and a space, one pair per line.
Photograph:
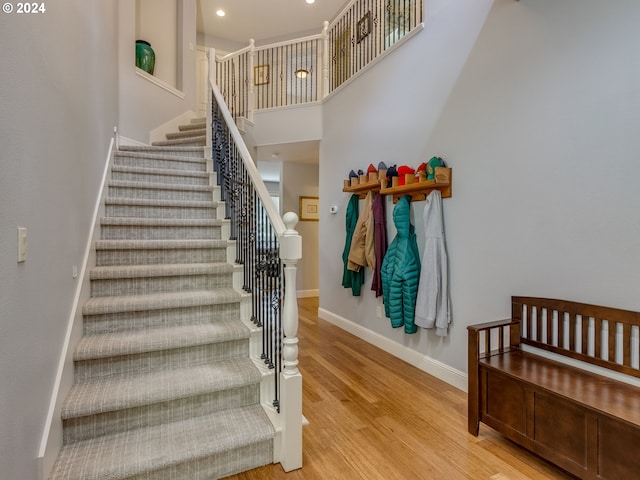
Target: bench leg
473, 387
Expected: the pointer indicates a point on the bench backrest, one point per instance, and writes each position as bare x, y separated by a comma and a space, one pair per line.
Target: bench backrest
603, 336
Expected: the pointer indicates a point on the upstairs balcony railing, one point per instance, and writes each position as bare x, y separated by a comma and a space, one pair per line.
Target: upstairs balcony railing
309, 69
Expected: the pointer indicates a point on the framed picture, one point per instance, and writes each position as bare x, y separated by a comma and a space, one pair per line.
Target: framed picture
309, 209
261, 74
363, 27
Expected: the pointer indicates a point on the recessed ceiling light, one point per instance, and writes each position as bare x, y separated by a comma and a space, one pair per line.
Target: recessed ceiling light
302, 73
310, 1
221, 13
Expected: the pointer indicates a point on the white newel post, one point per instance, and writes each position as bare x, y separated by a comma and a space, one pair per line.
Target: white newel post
290, 377
325, 60
251, 97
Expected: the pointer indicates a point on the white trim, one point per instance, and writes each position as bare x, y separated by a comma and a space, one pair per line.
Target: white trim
433, 367
55, 403
126, 141
308, 293
160, 83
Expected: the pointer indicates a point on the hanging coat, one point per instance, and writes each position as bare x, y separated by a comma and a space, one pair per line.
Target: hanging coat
432, 304
401, 271
380, 241
362, 252
351, 279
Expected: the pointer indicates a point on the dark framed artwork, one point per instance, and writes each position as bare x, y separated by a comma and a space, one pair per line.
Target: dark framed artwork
363, 27
261, 74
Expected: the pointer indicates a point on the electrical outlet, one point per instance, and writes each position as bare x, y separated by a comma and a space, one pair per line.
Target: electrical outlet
379, 311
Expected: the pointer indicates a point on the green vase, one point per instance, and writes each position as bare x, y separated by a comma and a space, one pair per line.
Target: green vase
145, 56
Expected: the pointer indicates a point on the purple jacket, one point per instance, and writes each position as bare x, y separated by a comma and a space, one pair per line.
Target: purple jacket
380, 233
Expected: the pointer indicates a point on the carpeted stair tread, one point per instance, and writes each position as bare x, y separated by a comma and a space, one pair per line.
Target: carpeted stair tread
160, 171
198, 132
159, 154
118, 393
162, 222
153, 148
162, 186
181, 141
132, 453
159, 270
192, 126
159, 244
143, 202
159, 301
132, 342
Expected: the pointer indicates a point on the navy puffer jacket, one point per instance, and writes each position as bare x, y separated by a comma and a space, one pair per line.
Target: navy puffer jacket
401, 271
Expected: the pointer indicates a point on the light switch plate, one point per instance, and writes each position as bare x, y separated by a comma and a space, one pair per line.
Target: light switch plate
22, 244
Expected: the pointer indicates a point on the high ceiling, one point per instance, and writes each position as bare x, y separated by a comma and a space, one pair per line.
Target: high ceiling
264, 19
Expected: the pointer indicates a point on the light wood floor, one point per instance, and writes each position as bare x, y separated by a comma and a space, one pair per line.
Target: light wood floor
374, 417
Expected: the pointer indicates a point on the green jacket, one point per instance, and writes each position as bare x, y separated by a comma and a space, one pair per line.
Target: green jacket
400, 271
351, 279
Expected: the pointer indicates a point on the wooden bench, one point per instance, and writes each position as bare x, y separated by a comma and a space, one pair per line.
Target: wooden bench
586, 423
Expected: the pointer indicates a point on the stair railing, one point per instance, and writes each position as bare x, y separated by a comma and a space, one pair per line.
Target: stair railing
268, 248
308, 69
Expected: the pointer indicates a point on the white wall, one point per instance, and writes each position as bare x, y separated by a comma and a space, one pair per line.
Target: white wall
144, 105
302, 180
157, 23
59, 106
538, 116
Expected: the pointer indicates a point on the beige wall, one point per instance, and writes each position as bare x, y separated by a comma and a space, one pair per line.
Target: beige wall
157, 23
302, 180
59, 100
535, 105
144, 105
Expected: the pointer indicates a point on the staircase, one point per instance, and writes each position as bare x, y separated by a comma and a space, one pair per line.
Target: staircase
164, 386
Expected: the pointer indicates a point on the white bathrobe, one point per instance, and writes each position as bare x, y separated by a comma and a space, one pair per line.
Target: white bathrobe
432, 304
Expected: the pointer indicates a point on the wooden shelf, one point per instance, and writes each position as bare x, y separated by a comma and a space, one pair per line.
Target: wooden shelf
418, 190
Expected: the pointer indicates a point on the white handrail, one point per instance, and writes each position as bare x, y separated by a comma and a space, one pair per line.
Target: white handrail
310, 38
233, 54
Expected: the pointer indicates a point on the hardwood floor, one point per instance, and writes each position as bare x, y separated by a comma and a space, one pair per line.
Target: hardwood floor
374, 417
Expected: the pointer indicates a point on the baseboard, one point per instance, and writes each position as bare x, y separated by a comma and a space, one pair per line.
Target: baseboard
51, 442
130, 142
307, 293
433, 367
